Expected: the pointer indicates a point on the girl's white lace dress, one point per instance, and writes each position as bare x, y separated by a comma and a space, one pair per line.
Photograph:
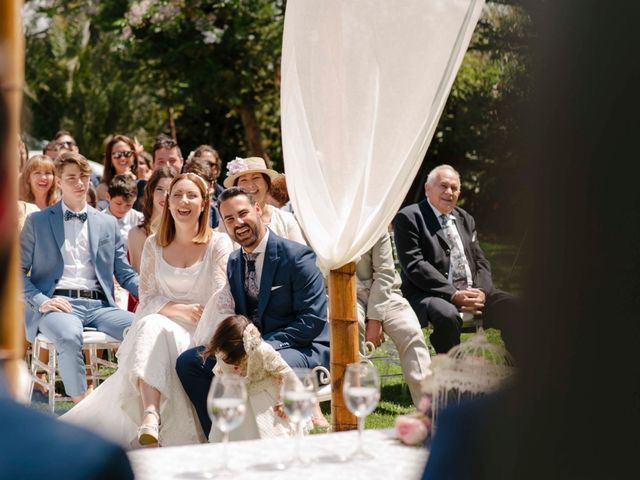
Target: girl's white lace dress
264, 373
154, 342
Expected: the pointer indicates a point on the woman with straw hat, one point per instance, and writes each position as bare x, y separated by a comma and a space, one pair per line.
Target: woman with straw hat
253, 175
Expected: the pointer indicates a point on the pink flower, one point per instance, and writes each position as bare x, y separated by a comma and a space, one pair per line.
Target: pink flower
411, 429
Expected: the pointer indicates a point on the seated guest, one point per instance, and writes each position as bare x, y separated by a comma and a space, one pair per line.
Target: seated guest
277, 285
166, 152
121, 196
253, 175
153, 201
182, 277
201, 167
381, 309
211, 155
444, 270
92, 197
24, 210
51, 150
119, 156
66, 143
37, 182
72, 252
142, 165
279, 195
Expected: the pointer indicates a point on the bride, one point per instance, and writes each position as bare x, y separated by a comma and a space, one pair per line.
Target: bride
182, 275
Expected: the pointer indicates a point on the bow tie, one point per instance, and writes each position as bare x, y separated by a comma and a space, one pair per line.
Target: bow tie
69, 215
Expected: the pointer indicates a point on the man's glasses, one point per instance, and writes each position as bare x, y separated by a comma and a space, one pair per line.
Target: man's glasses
67, 144
125, 154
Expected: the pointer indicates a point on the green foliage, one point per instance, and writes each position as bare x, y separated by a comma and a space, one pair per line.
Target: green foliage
208, 71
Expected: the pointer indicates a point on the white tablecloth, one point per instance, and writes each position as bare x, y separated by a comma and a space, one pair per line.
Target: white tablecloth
254, 459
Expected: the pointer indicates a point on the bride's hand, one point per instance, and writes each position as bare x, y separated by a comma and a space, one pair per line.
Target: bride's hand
192, 312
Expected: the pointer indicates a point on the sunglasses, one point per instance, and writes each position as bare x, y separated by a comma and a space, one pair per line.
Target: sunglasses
68, 144
125, 154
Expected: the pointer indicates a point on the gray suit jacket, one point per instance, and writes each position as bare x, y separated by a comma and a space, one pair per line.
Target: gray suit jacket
41, 243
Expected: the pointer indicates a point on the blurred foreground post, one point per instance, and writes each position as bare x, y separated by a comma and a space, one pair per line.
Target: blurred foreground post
11, 85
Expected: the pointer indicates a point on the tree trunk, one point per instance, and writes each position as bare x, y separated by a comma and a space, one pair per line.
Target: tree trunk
252, 135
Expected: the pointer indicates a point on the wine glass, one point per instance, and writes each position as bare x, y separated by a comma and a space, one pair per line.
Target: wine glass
226, 404
361, 392
299, 390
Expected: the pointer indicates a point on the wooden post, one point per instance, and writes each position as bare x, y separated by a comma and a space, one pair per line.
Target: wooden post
343, 316
11, 86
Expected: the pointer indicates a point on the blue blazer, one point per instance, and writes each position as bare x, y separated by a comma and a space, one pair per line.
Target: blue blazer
293, 305
41, 243
63, 450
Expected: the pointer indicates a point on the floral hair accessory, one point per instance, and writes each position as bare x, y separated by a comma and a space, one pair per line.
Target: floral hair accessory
236, 166
243, 166
251, 338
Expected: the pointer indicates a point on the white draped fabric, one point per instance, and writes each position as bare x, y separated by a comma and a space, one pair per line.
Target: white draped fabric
363, 86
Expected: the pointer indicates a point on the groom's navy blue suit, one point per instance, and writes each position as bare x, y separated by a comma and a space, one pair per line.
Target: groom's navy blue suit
292, 315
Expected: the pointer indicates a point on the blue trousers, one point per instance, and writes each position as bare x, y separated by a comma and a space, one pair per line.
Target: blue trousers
65, 331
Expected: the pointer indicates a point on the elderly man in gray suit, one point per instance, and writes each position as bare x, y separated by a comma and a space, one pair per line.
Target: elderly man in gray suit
382, 309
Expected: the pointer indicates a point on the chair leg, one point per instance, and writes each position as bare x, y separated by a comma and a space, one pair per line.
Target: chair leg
52, 378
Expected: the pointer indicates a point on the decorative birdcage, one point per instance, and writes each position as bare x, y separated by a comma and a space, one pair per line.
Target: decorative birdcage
469, 370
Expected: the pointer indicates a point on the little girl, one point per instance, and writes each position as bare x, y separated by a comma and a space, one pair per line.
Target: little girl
239, 349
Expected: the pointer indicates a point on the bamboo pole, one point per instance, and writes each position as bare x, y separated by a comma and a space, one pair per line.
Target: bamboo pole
343, 315
11, 85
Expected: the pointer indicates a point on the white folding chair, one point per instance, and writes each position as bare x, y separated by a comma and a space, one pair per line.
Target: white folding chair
92, 341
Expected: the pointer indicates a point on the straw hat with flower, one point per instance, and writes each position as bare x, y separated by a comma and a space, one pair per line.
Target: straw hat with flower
242, 166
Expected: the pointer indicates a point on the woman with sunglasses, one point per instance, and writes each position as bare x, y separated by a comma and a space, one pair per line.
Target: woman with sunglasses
118, 160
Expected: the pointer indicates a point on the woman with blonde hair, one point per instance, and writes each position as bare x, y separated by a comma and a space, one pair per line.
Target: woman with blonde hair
182, 298
37, 182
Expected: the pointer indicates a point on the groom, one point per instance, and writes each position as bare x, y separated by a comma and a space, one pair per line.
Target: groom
276, 284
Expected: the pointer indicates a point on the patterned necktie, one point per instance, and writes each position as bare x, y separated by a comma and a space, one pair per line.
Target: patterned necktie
460, 272
69, 215
251, 287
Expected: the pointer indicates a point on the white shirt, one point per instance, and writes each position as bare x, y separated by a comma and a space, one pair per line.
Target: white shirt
131, 219
451, 221
261, 248
79, 271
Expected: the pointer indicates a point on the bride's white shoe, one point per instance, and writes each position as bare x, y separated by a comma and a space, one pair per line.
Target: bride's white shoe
149, 434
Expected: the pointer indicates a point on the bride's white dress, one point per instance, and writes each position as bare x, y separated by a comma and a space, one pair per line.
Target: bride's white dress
154, 342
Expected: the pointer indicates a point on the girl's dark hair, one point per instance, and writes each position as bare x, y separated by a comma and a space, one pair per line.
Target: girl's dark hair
228, 340
147, 196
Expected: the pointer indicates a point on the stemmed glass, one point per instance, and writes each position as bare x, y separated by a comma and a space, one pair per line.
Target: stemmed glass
299, 391
361, 392
226, 404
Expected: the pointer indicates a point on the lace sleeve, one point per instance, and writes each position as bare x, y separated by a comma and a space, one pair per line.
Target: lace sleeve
152, 299
220, 305
272, 361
